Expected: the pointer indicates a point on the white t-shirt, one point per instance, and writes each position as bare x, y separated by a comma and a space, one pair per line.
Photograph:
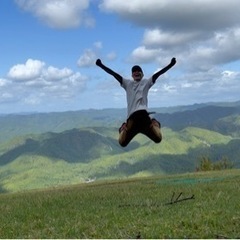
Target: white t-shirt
137, 93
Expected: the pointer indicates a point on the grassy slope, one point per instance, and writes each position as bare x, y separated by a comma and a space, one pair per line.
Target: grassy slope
42, 169
135, 208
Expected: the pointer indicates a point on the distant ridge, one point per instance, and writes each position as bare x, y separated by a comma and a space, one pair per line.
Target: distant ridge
12, 125
206, 117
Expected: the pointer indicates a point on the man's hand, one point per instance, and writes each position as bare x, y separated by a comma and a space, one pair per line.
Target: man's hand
173, 61
99, 62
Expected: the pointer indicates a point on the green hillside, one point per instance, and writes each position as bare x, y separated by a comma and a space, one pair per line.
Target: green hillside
76, 155
52, 149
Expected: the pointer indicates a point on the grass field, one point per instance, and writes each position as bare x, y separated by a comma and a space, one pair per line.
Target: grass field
208, 206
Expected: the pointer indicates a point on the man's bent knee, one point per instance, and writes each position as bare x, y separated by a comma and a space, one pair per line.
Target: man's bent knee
158, 139
122, 144
156, 129
122, 137
157, 135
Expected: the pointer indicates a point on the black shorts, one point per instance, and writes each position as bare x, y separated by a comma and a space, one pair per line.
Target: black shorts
141, 120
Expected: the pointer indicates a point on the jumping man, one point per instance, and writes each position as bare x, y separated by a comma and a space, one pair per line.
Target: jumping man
138, 120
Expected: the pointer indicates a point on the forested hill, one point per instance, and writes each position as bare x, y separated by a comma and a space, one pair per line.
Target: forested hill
49, 149
220, 119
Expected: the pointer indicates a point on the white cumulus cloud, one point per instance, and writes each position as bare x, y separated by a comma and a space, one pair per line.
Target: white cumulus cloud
34, 82
59, 13
87, 59
31, 69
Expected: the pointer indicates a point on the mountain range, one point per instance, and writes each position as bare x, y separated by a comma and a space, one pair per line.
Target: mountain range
39, 150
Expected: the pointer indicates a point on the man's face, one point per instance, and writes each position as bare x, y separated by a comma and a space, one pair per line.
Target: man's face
137, 75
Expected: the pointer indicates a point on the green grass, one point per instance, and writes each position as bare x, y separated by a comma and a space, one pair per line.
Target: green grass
128, 209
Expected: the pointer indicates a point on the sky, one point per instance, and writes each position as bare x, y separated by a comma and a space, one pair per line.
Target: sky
48, 50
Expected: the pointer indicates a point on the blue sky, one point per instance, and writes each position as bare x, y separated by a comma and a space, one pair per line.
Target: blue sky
48, 51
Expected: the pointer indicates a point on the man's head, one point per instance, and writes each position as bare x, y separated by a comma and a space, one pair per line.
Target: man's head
137, 73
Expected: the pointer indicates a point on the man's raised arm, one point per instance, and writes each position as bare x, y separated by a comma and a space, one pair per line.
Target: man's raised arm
162, 71
109, 71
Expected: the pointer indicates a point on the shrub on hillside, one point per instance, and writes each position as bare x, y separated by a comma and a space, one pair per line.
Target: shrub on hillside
206, 164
